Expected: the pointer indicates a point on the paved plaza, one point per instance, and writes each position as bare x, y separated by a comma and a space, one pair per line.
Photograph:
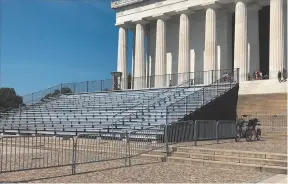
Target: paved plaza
149, 172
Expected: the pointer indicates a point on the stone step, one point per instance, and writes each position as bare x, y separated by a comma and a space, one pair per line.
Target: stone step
270, 162
158, 158
234, 153
221, 164
278, 178
273, 133
229, 165
274, 136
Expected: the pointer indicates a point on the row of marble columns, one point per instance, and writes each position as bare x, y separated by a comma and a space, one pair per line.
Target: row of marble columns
276, 57
276, 60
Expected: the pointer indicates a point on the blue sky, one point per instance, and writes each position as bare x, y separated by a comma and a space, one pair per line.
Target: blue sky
47, 42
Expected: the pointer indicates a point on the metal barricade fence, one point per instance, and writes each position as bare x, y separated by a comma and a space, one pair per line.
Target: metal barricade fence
212, 129
100, 147
225, 129
143, 141
269, 120
20, 153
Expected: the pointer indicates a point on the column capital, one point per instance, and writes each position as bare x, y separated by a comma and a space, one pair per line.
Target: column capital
161, 16
141, 21
186, 11
125, 25
242, 1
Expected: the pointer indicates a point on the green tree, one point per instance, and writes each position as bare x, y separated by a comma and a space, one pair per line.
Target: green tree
66, 91
9, 99
57, 93
106, 89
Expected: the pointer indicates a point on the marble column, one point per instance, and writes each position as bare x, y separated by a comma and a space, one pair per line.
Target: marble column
122, 64
276, 50
139, 68
240, 43
253, 39
184, 49
148, 72
160, 55
133, 59
210, 45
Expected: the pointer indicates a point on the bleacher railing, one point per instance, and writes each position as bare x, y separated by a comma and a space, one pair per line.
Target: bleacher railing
169, 80
147, 102
198, 77
196, 100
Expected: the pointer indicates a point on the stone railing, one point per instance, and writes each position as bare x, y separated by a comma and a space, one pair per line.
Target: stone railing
121, 3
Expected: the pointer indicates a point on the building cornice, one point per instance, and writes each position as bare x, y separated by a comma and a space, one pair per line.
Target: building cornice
115, 4
149, 10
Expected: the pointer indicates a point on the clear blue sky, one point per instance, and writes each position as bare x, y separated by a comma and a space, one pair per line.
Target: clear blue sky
47, 42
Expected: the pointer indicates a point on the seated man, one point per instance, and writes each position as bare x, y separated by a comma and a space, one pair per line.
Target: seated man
284, 75
253, 122
279, 76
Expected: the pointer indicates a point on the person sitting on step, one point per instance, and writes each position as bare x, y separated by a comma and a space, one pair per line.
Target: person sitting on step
279, 76
284, 75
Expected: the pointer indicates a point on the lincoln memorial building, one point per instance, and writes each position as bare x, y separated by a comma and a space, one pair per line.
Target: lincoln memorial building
178, 40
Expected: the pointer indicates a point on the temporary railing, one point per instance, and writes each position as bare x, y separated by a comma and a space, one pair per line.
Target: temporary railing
270, 120
225, 129
213, 75
20, 153
146, 105
211, 130
147, 101
106, 85
196, 100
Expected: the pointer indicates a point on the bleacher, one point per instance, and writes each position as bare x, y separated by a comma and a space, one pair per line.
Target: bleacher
106, 112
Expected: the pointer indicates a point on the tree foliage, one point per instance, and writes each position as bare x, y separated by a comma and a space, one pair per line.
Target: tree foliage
66, 91
9, 99
106, 89
57, 93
